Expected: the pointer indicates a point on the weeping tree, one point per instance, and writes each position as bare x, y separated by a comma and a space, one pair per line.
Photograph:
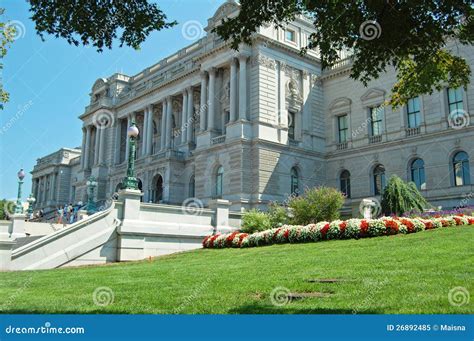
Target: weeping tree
399, 197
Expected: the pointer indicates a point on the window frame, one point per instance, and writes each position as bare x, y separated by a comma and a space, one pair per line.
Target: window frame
219, 178
379, 120
294, 181
463, 166
375, 174
293, 32
344, 130
458, 91
415, 113
417, 172
345, 183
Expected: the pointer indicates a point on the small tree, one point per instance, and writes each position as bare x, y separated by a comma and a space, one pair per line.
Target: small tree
277, 214
316, 204
399, 197
255, 220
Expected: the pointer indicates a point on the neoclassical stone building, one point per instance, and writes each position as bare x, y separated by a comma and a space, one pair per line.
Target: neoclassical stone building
258, 124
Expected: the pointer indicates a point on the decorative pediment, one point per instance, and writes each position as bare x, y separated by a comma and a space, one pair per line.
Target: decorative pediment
340, 104
226, 9
99, 84
372, 94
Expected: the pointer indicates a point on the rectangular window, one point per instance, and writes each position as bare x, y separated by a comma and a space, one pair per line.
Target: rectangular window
455, 99
290, 35
342, 128
376, 120
291, 125
413, 112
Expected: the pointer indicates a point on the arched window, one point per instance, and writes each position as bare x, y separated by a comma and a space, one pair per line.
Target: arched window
345, 182
192, 185
219, 180
418, 173
462, 175
378, 179
294, 181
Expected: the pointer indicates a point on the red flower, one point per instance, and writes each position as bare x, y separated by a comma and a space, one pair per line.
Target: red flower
230, 238
458, 220
428, 224
410, 226
241, 237
392, 226
342, 227
364, 228
286, 234
470, 221
205, 240
324, 230
276, 234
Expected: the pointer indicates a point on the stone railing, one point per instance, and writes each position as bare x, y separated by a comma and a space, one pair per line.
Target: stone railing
341, 146
218, 140
412, 131
375, 139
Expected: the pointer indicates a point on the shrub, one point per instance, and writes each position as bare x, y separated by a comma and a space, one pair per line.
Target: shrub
277, 214
255, 220
315, 205
399, 197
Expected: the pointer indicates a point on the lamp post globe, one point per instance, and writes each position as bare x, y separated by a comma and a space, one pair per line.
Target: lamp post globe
31, 201
91, 184
19, 206
130, 181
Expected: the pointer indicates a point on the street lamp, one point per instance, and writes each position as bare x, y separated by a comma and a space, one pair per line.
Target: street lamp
91, 184
31, 201
19, 205
130, 181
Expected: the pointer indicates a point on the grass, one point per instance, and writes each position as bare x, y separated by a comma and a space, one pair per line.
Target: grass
407, 274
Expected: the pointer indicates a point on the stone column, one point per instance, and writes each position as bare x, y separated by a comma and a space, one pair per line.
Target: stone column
243, 86
118, 141
203, 104
96, 146
39, 192
184, 119
52, 188
144, 133
83, 147
211, 101
233, 90
169, 128
163, 127
101, 144
149, 139
190, 115
87, 148
127, 139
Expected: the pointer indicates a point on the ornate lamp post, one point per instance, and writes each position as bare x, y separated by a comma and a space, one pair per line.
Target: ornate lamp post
31, 201
19, 206
130, 181
91, 184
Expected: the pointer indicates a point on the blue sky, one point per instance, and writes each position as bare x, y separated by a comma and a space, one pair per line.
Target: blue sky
49, 83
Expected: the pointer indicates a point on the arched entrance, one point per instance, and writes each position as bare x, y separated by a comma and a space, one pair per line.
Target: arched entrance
157, 189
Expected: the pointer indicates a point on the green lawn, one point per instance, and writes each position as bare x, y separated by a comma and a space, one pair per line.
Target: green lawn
396, 274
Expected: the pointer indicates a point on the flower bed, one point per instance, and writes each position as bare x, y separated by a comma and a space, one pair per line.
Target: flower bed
338, 229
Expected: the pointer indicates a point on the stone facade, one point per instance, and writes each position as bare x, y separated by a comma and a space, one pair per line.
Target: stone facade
268, 119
